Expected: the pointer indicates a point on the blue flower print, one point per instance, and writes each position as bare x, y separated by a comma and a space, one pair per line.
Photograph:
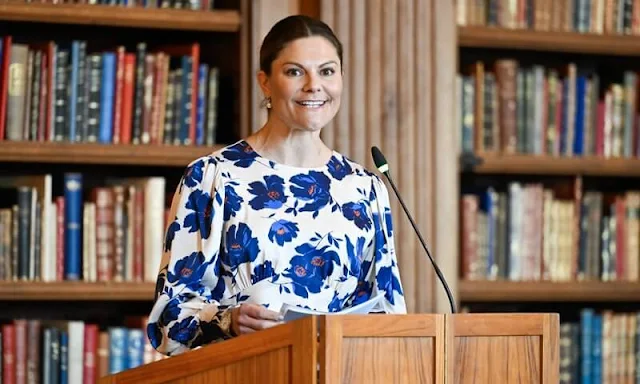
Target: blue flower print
154, 334
339, 169
231, 202
309, 269
355, 254
389, 220
184, 331
388, 282
189, 270
380, 243
362, 292
170, 313
193, 174
312, 187
357, 213
241, 246
201, 217
262, 271
269, 194
171, 233
283, 231
241, 154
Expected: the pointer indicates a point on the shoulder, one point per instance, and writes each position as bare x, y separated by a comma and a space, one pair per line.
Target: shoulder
341, 166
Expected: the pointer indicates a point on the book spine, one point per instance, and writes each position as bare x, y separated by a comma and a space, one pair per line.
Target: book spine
107, 97
73, 225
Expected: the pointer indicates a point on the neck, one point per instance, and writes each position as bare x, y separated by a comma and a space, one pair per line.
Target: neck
279, 143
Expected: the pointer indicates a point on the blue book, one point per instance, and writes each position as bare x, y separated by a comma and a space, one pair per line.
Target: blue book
118, 337
135, 348
73, 206
578, 132
586, 328
73, 92
107, 92
203, 71
64, 357
184, 125
596, 349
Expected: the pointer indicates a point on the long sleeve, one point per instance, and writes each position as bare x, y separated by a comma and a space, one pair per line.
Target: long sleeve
186, 313
379, 271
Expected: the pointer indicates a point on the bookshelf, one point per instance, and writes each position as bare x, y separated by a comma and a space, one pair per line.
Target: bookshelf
100, 154
554, 165
548, 41
117, 99
547, 291
76, 291
81, 14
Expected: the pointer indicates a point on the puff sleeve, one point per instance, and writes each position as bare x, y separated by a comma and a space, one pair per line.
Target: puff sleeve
187, 312
379, 271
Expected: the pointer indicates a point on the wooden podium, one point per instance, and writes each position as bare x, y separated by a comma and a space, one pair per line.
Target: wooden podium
415, 348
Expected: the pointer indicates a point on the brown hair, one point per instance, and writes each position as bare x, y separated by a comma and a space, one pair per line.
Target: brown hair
289, 29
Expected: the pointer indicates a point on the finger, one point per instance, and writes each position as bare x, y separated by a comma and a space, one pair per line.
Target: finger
256, 324
244, 330
260, 312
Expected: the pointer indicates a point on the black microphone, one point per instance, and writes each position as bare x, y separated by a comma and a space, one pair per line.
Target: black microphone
381, 163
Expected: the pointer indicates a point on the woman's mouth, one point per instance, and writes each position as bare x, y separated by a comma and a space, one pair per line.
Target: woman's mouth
311, 103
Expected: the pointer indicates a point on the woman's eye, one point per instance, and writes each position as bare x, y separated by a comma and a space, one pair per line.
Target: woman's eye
293, 72
327, 71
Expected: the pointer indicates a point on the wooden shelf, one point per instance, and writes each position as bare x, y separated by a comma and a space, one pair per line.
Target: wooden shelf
76, 291
589, 43
151, 155
80, 14
551, 165
543, 291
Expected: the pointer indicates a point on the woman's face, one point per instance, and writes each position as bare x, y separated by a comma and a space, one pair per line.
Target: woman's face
305, 84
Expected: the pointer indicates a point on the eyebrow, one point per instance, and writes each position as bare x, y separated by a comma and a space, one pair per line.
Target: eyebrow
300, 65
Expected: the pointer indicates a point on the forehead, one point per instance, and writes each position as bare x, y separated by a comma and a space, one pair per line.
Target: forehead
308, 50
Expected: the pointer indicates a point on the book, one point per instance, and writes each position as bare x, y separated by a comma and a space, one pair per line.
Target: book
292, 312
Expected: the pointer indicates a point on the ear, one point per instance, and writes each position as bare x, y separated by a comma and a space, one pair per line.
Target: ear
263, 81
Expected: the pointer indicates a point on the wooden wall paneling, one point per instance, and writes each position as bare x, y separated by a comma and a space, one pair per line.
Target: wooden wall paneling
406, 154
359, 148
373, 85
423, 94
342, 20
327, 14
445, 199
264, 13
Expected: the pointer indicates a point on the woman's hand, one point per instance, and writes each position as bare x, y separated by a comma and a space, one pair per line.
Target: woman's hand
248, 318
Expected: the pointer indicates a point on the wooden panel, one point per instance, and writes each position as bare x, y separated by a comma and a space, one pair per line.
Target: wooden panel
283, 354
398, 349
138, 17
504, 359
423, 147
374, 95
445, 198
503, 348
547, 291
556, 165
85, 153
327, 14
605, 44
342, 121
76, 291
264, 14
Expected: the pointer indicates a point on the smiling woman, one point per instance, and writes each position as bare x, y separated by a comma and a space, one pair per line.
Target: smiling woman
276, 218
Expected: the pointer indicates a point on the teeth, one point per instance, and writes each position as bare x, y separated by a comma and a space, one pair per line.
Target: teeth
311, 103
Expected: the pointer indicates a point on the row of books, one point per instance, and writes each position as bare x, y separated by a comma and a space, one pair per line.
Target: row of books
509, 108
602, 347
534, 232
193, 5
584, 16
113, 232
61, 351
66, 91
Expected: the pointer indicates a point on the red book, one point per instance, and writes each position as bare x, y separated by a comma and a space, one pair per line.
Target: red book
117, 108
21, 350
126, 114
4, 82
89, 369
8, 354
